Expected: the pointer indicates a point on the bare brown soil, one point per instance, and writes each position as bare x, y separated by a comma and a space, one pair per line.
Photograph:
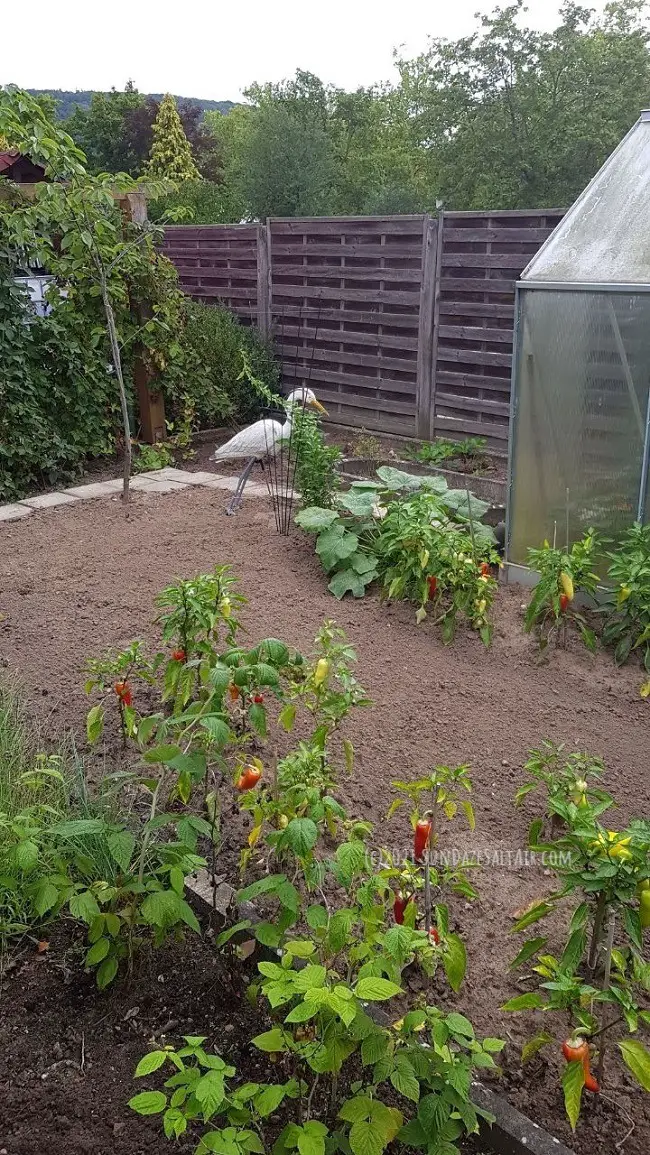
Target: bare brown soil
77, 579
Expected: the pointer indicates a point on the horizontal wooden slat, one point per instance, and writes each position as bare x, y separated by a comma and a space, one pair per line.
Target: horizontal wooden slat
346, 316
349, 273
472, 382
354, 382
473, 404
346, 337
487, 309
398, 251
477, 285
475, 334
490, 235
475, 356
331, 293
455, 260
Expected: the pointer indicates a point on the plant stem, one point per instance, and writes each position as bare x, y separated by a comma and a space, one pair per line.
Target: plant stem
597, 933
606, 980
146, 838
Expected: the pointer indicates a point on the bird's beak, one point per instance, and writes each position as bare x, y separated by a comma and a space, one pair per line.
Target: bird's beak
315, 404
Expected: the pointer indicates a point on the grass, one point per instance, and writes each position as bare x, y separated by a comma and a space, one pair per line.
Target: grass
41, 784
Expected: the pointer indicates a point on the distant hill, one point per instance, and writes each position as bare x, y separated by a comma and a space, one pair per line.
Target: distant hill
68, 101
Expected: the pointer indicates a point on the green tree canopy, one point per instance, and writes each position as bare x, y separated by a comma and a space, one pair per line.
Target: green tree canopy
171, 153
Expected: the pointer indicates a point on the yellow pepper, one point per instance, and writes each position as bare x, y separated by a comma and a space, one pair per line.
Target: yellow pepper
613, 843
225, 607
321, 671
623, 594
567, 585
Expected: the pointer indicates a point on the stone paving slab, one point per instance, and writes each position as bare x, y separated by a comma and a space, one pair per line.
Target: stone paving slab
49, 500
160, 485
201, 477
95, 489
14, 511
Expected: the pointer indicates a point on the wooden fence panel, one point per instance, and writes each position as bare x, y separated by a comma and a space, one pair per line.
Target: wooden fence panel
400, 324
217, 264
345, 309
482, 256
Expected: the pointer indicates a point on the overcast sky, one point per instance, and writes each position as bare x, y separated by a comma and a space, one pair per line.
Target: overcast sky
214, 50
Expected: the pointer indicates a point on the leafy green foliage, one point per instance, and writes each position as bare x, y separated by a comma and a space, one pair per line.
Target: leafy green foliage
317, 479
467, 453
551, 606
627, 608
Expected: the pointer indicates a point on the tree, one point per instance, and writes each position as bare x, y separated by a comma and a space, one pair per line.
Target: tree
102, 131
514, 118
171, 152
286, 168
73, 227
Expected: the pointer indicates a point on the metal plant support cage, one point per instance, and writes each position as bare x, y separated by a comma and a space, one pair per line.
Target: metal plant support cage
579, 448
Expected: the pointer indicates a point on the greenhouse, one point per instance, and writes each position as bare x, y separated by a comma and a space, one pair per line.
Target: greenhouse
581, 373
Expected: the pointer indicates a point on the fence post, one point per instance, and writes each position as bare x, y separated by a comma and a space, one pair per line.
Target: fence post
435, 328
151, 403
264, 278
425, 327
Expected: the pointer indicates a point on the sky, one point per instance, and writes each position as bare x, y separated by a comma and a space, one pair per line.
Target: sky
213, 50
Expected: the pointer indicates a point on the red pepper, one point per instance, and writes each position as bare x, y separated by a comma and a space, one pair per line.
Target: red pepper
258, 699
233, 690
564, 601
575, 1050
249, 778
432, 582
485, 569
591, 1083
434, 935
123, 691
179, 655
421, 839
399, 906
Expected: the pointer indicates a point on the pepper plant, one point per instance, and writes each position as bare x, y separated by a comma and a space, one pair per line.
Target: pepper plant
601, 975
564, 777
564, 573
626, 608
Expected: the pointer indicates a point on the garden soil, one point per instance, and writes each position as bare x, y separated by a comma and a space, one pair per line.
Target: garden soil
77, 579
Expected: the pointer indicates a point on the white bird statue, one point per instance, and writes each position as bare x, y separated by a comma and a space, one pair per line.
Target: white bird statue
260, 441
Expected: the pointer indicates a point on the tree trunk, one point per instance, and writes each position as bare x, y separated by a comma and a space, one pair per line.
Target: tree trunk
117, 363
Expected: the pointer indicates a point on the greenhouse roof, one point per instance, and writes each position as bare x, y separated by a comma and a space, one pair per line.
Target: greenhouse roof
605, 237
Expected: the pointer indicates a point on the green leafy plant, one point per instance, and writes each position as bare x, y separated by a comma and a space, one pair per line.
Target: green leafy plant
376, 526
601, 976
151, 457
565, 777
564, 574
316, 479
626, 608
200, 1090
468, 453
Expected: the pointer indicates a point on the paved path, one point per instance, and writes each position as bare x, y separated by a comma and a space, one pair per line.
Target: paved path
166, 480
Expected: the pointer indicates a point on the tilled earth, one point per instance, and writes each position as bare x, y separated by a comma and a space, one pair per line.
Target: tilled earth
78, 579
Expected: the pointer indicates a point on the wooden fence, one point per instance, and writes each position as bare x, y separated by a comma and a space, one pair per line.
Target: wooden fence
400, 324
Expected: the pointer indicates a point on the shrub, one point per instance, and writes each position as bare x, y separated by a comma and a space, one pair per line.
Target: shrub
207, 203
214, 339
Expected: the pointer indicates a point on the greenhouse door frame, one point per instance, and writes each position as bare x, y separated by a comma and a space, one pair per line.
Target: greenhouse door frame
514, 569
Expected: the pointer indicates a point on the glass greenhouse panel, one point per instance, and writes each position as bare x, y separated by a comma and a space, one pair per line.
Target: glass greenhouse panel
581, 389
603, 237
